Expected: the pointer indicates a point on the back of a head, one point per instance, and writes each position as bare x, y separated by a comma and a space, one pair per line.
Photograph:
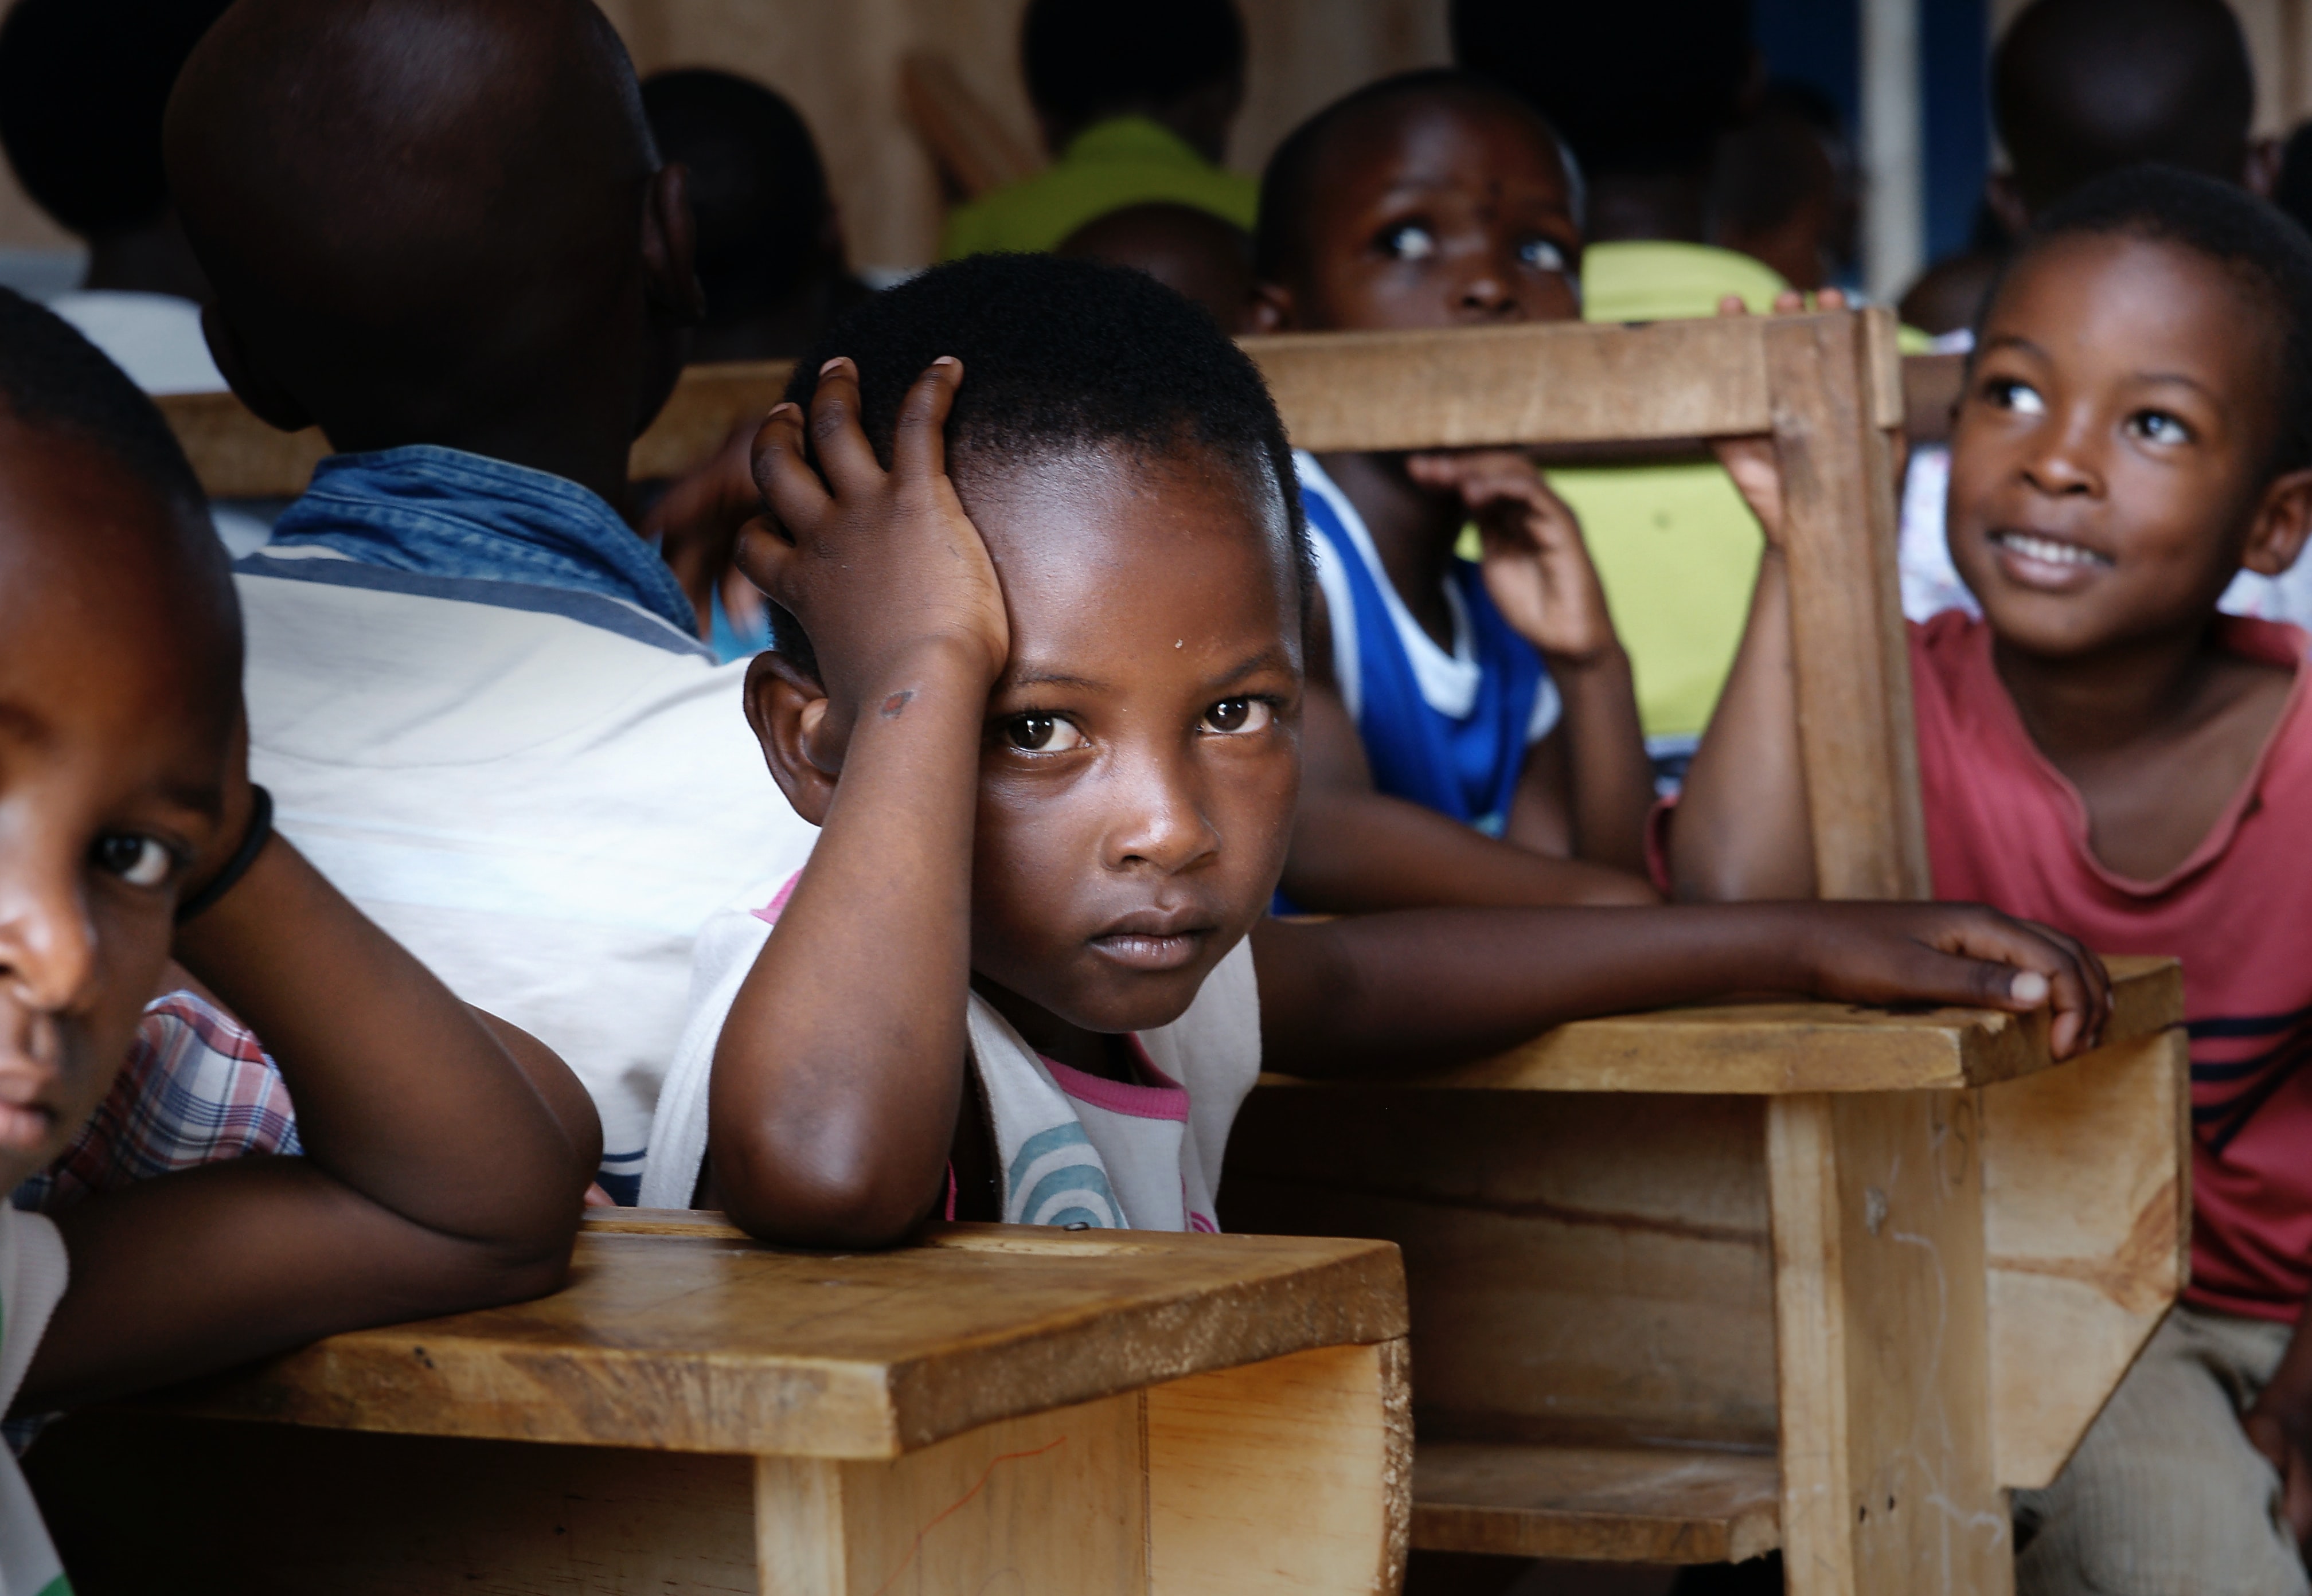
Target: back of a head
1292, 182
412, 205
2084, 87
1186, 248
54, 381
2268, 253
1059, 356
82, 86
1086, 59
1636, 90
758, 189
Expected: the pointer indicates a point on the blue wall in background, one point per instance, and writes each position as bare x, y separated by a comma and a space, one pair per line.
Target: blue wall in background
1819, 42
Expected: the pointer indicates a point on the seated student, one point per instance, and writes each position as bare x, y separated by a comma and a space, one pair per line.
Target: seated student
1446, 762
2103, 752
1134, 101
1643, 94
2081, 88
437, 230
1784, 189
1192, 252
1041, 679
442, 1154
82, 84
769, 252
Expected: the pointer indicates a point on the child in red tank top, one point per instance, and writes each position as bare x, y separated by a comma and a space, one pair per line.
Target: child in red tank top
2103, 753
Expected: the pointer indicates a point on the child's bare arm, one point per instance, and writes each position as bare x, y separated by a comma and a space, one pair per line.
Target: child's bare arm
1741, 828
442, 1167
1540, 577
838, 1075
1391, 993
1356, 849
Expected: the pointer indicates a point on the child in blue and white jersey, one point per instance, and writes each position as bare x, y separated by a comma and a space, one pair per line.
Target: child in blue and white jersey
1473, 734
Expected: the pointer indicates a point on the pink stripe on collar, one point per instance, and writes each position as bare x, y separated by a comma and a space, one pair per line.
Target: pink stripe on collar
769, 912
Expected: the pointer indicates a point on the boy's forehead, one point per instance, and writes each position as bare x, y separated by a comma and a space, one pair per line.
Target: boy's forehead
2145, 301
1102, 534
1434, 130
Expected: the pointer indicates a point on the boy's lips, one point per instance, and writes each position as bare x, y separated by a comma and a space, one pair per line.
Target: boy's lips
2049, 563
1153, 941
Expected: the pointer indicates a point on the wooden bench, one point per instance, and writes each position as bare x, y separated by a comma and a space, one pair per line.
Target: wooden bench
996, 1410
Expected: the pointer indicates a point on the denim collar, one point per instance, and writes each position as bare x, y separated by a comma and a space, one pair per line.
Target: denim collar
442, 512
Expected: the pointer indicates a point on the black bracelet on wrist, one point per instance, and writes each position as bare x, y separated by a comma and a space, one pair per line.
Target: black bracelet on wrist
252, 843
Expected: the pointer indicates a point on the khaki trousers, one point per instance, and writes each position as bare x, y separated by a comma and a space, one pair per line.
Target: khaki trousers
2166, 1497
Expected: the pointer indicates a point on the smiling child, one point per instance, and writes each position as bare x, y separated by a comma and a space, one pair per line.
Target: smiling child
444, 1153
1039, 679
2103, 753
1472, 733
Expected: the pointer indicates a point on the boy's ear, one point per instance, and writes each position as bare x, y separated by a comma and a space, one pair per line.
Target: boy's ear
267, 399
671, 248
787, 710
1272, 309
2283, 521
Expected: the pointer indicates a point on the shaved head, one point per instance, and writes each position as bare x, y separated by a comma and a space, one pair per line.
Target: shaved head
417, 212
2084, 87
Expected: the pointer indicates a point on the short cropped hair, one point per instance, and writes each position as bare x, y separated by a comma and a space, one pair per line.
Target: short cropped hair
53, 379
758, 189
1059, 355
1288, 183
2268, 253
1637, 90
1084, 59
82, 86
2080, 88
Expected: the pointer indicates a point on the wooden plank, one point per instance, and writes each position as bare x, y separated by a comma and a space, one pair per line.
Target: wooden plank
2087, 1216
699, 1344
1849, 648
1882, 1341
1593, 391
1596, 1504
1320, 1442
1771, 1048
1559, 382
1583, 1268
1052, 1502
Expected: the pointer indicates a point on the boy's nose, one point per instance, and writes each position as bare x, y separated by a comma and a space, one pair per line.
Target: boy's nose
2062, 461
1166, 825
1489, 296
47, 942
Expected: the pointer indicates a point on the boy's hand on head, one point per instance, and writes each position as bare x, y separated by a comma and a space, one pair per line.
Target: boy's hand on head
1963, 956
876, 565
1537, 569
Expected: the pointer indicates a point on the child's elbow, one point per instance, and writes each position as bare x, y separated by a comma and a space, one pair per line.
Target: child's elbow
838, 1205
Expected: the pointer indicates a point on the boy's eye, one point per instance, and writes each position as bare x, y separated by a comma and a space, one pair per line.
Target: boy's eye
1040, 734
1233, 717
1408, 240
1541, 255
2009, 394
2158, 426
140, 862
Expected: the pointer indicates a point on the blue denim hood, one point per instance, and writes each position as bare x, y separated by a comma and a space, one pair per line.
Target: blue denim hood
442, 513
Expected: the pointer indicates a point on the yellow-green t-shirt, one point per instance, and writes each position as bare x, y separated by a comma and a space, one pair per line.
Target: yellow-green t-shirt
1124, 161
1675, 545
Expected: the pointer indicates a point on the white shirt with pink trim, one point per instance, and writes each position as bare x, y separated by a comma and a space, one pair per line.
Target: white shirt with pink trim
1072, 1149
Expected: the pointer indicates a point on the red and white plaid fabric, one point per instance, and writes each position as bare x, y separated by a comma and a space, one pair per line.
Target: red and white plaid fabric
196, 1089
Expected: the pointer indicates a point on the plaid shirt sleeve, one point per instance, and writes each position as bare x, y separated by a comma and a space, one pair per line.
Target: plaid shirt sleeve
197, 1089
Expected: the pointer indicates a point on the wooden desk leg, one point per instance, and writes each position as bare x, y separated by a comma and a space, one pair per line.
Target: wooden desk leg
1288, 1477
1882, 1341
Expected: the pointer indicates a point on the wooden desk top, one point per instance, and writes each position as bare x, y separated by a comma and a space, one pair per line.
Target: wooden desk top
1768, 1049
678, 1333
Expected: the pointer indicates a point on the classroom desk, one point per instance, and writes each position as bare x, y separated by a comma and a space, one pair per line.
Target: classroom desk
997, 1411
1691, 1286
